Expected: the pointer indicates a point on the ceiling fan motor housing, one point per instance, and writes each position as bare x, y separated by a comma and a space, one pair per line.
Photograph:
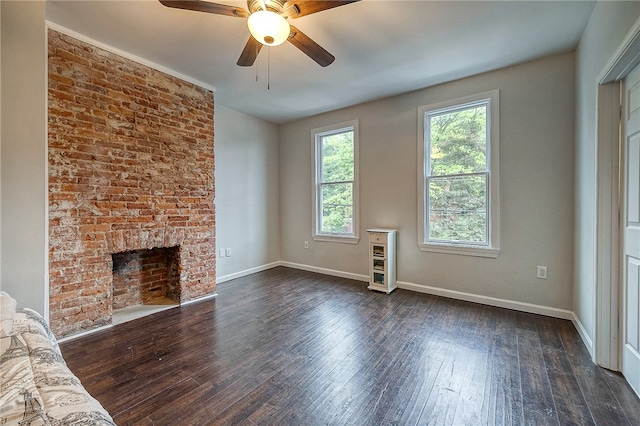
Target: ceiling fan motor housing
276, 6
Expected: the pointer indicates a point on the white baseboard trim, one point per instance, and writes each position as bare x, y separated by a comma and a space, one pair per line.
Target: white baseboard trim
588, 343
491, 301
246, 272
199, 299
84, 333
332, 272
452, 294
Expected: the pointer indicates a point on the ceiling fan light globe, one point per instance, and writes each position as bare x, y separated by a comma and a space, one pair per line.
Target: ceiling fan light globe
268, 28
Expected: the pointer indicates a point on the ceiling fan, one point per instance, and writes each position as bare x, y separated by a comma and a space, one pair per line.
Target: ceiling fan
268, 24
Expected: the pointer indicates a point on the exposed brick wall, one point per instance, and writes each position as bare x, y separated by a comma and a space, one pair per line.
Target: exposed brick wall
131, 167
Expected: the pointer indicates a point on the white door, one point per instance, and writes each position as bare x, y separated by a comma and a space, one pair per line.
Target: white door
631, 230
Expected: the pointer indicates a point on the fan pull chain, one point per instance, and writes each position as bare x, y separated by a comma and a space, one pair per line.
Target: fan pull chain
268, 68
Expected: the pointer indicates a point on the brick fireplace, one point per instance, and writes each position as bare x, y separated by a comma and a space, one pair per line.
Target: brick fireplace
131, 174
142, 277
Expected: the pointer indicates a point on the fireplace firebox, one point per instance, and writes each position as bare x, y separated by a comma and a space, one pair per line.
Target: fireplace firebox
142, 277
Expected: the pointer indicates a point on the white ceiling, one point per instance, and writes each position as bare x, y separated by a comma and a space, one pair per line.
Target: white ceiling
382, 47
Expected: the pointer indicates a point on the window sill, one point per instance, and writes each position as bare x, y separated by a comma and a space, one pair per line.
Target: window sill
461, 250
336, 239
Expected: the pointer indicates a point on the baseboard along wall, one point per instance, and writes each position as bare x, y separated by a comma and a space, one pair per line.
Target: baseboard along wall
452, 294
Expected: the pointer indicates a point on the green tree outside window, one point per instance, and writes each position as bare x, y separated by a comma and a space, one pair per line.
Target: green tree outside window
457, 175
337, 179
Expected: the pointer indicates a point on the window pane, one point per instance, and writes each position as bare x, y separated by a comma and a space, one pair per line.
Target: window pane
337, 208
337, 157
458, 141
458, 209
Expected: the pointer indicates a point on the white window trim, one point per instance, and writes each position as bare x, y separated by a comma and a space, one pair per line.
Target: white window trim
492, 249
315, 139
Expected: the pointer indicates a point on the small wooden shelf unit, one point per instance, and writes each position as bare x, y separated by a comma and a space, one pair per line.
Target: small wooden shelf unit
382, 259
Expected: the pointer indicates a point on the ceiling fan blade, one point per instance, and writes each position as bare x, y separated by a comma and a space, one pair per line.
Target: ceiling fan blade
249, 53
298, 8
205, 6
310, 47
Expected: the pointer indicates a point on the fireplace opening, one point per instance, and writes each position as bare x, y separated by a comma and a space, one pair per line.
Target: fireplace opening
145, 281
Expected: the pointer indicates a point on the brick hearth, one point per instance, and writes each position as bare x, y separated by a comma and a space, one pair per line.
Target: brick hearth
131, 167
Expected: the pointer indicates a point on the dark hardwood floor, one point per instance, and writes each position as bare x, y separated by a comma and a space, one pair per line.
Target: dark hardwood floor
288, 347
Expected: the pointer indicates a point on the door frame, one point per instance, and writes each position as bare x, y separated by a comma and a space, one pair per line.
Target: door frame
608, 157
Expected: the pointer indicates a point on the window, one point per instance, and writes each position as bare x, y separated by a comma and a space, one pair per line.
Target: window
335, 179
459, 184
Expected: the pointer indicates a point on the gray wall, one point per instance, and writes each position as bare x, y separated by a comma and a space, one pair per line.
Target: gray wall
536, 144
23, 154
247, 192
607, 27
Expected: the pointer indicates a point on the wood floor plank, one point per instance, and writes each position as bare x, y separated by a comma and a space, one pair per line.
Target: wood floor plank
570, 404
442, 403
600, 398
139, 414
537, 397
213, 398
624, 394
290, 347
505, 396
421, 368
401, 380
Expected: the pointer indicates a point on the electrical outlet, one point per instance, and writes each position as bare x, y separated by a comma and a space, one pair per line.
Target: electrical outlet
228, 252
541, 272
306, 244
221, 253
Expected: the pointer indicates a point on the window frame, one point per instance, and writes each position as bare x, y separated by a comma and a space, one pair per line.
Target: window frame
492, 247
316, 181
